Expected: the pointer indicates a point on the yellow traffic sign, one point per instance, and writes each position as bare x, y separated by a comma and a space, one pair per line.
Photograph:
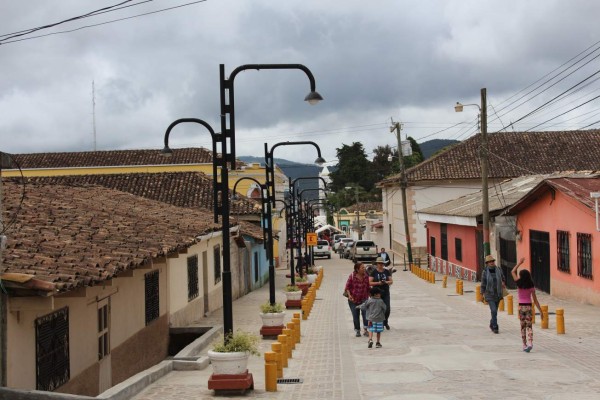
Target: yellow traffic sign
311, 239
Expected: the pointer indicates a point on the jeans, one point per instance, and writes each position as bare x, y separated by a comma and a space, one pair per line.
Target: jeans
385, 296
356, 312
494, 310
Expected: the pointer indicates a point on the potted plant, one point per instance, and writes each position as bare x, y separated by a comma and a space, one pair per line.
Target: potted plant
303, 284
272, 314
293, 292
231, 357
311, 275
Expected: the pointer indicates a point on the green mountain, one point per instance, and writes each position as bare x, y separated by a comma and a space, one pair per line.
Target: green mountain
431, 147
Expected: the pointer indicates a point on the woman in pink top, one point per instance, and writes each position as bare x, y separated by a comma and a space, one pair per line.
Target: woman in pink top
525, 292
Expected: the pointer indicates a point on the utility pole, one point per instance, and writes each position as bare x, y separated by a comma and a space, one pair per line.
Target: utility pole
397, 126
484, 175
4, 163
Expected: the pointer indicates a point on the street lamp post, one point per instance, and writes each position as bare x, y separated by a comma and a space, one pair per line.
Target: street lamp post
267, 225
270, 183
309, 219
226, 140
484, 168
220, 193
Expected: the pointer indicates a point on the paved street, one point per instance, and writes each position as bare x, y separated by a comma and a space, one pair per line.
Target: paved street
439, 347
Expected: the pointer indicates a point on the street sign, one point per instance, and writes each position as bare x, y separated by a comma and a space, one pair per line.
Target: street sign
311, 239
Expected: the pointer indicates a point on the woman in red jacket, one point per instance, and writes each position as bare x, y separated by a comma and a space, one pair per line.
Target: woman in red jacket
357, 289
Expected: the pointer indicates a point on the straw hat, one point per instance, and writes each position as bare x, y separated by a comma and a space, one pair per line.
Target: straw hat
379, 260
489, 258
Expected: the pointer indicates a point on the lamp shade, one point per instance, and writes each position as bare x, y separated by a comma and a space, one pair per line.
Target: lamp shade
313, 98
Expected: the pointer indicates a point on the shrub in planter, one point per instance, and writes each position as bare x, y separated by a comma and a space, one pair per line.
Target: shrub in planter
268, 308
232, 357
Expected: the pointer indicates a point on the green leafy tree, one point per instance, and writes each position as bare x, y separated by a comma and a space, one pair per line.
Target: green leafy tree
353, 167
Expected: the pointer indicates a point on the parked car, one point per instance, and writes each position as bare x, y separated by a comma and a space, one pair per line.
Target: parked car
338, 247
336, 240
347, 249
364, 250
322, 249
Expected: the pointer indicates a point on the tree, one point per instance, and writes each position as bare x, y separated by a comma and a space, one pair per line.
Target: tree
381, 166
353, 168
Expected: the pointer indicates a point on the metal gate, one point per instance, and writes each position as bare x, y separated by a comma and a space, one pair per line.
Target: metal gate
539, 249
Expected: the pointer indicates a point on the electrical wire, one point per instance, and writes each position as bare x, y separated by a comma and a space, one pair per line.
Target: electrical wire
104, 23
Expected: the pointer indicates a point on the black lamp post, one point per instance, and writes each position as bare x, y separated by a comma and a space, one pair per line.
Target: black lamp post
220, 194
267, 226
226, 142
308, 220
270, 183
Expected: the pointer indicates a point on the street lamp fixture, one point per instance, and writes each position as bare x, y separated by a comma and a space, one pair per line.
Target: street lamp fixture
484, 169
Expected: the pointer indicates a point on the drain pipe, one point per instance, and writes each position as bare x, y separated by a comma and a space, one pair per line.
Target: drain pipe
596, 196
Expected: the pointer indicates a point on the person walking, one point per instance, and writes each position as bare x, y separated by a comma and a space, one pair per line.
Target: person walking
357, 289
525, 293
375, 308
382, 278
387, 260
492, 283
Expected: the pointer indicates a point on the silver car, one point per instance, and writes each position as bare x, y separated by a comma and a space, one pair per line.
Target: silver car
322, 249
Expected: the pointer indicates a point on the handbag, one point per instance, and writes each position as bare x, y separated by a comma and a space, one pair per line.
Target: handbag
345, 293
504, 292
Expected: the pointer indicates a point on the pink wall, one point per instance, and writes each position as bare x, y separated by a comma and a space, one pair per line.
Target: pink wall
468, 236
566, 214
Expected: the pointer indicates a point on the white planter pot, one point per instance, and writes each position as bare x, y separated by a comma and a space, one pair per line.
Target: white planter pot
272, 319
294, 295
228, 363
311, 278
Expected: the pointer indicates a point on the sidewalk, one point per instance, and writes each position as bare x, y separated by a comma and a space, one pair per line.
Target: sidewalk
439, 347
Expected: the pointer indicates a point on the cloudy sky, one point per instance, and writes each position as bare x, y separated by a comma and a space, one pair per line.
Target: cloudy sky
410, 60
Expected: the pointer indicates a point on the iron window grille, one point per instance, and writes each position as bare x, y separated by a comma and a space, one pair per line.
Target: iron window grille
584, 255
103, 330
217, 263
52, 350
563, 253
151, 296
192, 273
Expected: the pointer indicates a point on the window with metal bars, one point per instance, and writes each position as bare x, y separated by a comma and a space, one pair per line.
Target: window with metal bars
584, 255
103, 329
192, 273
217, 262
562, 249
52, 364
152, 296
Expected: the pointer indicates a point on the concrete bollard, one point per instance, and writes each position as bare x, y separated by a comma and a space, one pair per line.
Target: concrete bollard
270, 372
304, 307
509, 304
276, 347
501, 305
460, 287
299, 328
432, 277
560, 321
445, 281
544, 316
289, 342
290, 326
478, 297
532, 315
284, 352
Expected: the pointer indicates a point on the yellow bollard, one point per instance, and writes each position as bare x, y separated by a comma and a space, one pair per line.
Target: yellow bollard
432, 277
478, 298
461, 287
532, 315
457, 286
299, 330
304, 307
276, 347
290, 326
501, 305
445, 281
560, 321
284, 352
270, 372
288, 333
509, 304
544, 316
296, 323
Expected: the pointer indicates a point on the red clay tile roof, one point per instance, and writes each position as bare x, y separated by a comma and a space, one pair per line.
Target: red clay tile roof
512, 154
576, 188
366, 207
69, 237
183, 189
113, 158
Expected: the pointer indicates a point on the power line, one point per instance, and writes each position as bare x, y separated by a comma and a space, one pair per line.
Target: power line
104, 23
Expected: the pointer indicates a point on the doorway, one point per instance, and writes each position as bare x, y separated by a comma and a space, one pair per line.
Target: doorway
539, 250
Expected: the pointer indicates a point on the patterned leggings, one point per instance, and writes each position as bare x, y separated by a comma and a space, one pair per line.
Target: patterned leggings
526, 326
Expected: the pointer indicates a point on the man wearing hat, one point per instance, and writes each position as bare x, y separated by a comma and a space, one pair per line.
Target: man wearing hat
492, 283
382, 278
